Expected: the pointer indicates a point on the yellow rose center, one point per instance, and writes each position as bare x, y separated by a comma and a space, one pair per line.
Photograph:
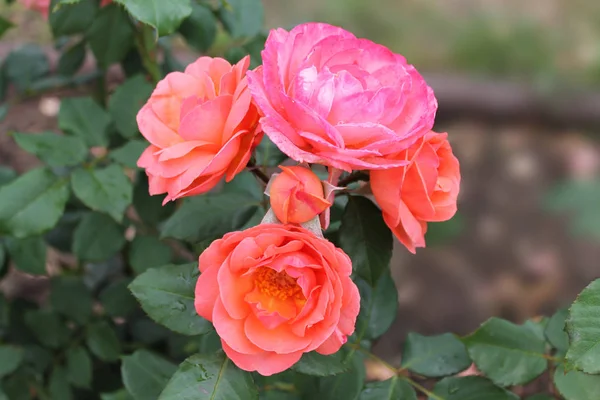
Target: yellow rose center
277, 284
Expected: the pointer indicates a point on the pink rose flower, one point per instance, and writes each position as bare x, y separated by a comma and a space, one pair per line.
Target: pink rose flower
202, 126
333, 99
423, 191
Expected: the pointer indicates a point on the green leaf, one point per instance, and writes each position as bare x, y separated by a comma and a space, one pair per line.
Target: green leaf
391, 389
167, 295
4, 25
38, 357
235, 54
72, 59
11, 357
254, 47
55, 150
59, 385
70, 297
25, 65
149, 208
365, 237
128, 154
435, 356
48, 328
118, 395
148, 252
242, 18
439, 233
110, 35
164, 16
378, 307
32, 203
7, 175
97, 238
471, 388
537, 327
103, 342
347, 385
317, 364
146, 374
213, 376
508, 354
200, 28
125, 103
79, 367
575, 385
117, 300
555, 331
146, 331
107, 190
583, 327
17, 386
72, 18
83, 117
29, 255
209, 216
267, 154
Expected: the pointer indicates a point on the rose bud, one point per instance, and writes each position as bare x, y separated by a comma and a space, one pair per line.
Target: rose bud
297, 195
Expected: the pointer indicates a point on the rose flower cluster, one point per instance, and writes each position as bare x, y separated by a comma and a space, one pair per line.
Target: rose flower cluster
280, 289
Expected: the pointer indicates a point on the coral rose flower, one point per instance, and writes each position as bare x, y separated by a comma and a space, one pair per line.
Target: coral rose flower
297, 195
201, 125
274, 292
424, 191
331, 98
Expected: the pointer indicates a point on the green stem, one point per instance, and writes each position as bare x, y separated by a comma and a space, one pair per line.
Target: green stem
252, 167
422, 388
353, 177
146, 45
397, 371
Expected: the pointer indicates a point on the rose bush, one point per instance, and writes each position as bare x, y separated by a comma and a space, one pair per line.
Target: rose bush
275, 292
181, 279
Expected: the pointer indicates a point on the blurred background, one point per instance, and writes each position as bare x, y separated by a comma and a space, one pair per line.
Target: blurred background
518, 84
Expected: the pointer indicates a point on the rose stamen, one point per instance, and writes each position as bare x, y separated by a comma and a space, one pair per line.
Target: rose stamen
277, 284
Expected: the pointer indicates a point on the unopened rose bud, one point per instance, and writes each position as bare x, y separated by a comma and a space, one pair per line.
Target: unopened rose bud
297, 195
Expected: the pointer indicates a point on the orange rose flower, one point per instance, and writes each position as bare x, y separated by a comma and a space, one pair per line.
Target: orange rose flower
423, 191
274, 292
297, 195
202, 126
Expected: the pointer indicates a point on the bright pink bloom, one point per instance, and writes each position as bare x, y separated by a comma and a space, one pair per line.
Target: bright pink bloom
330, 98
202, 126
424, 191
274, 292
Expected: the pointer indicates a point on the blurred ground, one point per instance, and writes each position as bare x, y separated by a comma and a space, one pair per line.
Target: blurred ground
512, 258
